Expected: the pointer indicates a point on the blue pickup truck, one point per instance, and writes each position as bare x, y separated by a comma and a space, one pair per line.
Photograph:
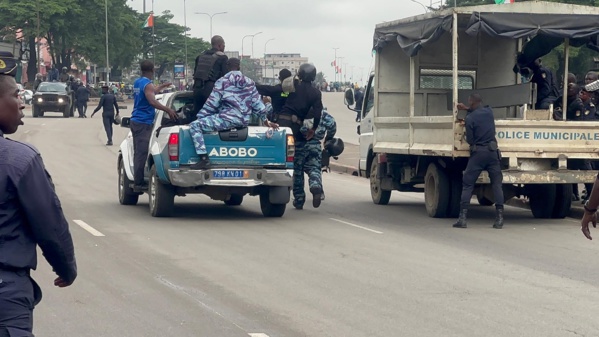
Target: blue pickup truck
252, 161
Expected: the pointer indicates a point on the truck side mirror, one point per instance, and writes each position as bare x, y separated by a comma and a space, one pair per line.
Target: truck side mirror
125, 122
349, 97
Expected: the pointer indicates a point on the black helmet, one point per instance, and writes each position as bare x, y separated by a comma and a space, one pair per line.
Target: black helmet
334, 146
307, 72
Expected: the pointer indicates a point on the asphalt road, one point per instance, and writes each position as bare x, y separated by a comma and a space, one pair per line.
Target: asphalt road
349, 268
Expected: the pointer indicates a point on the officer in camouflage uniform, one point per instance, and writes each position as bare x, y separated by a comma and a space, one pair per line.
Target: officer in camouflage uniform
232, 104
309, 158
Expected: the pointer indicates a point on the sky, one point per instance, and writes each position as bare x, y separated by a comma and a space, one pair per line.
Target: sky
310, 27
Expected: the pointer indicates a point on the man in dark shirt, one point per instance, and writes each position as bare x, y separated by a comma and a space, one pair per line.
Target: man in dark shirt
108, 105
209, 67
297, 106
484, 155
82, 96
278, 96
30, 215
547, 90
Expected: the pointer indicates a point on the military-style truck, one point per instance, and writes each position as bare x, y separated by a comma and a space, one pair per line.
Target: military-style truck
411, 135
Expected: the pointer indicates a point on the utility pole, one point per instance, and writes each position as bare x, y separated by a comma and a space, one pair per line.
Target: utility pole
107, 60
335, 63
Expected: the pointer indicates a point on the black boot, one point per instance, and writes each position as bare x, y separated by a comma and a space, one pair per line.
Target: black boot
203, 164
462, 219
498, 219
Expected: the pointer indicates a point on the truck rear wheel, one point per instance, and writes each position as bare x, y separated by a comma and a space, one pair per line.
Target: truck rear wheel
379, 196
563, 201
437, 191
126, 194
269, 209
162, 196
542, 199
234, 200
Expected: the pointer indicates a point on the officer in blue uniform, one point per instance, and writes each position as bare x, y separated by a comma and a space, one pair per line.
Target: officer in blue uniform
30, 215
484, 155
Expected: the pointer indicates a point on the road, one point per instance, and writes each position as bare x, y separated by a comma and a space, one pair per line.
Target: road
349, 268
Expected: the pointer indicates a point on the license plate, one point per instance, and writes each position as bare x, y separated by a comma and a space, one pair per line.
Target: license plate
230, 174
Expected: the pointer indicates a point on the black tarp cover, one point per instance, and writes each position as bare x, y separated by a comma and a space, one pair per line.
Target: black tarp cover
413, 36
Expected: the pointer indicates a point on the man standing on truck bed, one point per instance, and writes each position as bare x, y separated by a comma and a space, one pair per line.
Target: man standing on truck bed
292, 115
209, 67
142, 118
230, 105
484, 155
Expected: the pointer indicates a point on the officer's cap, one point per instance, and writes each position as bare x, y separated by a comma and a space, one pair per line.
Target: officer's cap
8, 64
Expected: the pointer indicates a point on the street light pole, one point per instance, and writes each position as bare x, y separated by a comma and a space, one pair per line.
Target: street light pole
265, 58
335, 63
211, 16
107, 60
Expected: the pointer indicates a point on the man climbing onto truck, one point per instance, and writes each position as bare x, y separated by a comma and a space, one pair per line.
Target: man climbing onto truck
230, 105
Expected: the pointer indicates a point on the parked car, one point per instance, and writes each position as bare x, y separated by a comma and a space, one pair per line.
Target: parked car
52, 96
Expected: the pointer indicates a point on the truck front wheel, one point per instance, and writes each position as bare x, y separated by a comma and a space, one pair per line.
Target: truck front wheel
437, 191
379, 196
162, 196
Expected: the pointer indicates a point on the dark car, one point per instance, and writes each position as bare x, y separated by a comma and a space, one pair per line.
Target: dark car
52, 96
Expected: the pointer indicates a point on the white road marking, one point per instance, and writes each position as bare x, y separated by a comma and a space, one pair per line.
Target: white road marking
88, 228
357, 226
259, 334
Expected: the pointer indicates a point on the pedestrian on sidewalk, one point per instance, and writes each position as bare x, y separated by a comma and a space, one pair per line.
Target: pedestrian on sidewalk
108, 105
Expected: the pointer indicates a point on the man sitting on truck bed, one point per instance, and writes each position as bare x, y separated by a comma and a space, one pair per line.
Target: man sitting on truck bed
231, 104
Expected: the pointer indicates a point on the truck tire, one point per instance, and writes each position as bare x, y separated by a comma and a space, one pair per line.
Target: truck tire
379, 196
161, 196
35, 111
483, 201
563, 201
234, 200
453, 208
542, 198
437, 191
126, 194
270, 210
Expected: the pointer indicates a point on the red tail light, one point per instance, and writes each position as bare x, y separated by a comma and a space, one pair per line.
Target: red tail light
173, 147
290, 148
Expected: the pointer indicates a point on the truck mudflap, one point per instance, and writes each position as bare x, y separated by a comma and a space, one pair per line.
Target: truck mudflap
241, 177
542, 177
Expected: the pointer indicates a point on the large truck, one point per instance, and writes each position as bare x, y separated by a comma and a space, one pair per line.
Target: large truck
411, 135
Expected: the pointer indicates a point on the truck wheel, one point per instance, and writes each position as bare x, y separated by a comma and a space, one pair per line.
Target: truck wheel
66, 113
483, 201
234, 200
35, 112
162, 196
542, 197
270, 210
126, 194
379, 196
563, 201
453, 209
437, 191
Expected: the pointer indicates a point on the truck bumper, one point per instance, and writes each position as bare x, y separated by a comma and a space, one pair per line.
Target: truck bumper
255, 177
543, 177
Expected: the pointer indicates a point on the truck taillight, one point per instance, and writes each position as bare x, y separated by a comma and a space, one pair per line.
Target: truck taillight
290, 148
173, 147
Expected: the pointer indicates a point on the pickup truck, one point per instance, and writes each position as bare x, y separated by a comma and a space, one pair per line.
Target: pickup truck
252, 160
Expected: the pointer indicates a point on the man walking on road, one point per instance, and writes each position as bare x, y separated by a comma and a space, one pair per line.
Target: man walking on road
142, 118
209, 67
484, 155
30, 215
108, 105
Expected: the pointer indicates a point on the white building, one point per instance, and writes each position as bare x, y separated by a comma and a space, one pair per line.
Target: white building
273, 63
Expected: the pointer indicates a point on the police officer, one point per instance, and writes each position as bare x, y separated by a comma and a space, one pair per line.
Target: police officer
278, 96
547, 90
484, 155
209, 67
295, 110
108, 105
312, 161
30, 215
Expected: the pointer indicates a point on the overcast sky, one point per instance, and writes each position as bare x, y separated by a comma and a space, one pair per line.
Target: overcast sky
309, 27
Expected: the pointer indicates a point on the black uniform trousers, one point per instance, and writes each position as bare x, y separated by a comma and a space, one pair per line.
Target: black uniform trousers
141, 143
482, 159
19, 294
108, 120
201, 92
